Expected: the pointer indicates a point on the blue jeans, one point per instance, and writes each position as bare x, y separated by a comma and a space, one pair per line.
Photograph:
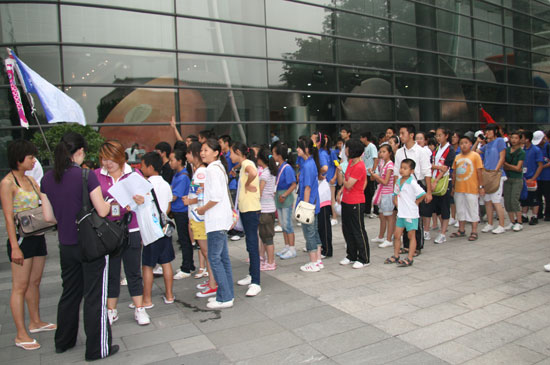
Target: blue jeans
250, 221
218, 255
285, 219
311, 235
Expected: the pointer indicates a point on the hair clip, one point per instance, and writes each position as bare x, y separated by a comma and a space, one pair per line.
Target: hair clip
314, 145
270, 156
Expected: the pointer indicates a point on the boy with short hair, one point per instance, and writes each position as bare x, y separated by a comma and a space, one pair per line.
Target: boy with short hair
161, 251
533, 168
467, 188
513, 165
407, 196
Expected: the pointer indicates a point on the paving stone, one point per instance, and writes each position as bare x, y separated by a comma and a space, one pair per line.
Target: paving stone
163, 335
481, 299
418, 358
208, 357
435, 334
301, 354
377, 353
189, 345
434, 297
534, 319
437, 313
142, 355
485, 316
316, 330
349, 340
509, 354
245, 332
528, 300
538, 341
395, 326
302, 318
453, 352
492, 337
260, 346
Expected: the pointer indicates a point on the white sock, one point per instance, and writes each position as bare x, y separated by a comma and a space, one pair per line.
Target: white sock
292, 248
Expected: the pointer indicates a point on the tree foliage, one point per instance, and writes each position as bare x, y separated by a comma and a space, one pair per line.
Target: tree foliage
54, 134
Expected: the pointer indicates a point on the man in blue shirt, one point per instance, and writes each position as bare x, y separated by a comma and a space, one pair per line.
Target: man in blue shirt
543, 181
531, 171
493, 154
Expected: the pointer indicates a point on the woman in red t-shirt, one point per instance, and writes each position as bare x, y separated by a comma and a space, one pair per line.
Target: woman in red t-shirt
353, 207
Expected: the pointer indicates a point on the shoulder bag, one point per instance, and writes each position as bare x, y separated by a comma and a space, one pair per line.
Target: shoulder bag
235, 213
491, 180
97, 235
31, 222
168, 225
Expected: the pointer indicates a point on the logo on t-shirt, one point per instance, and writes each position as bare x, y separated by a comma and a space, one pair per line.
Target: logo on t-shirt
464, 169
201, 176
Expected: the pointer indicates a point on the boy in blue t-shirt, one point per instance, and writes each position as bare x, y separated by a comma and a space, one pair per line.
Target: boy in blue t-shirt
531, 171
543, 181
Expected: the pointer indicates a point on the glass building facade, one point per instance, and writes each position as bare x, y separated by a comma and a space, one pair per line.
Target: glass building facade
249, 67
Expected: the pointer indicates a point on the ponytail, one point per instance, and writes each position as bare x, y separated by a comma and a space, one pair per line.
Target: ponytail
247, 152
214, 145
309, 147
64, 151
265, 157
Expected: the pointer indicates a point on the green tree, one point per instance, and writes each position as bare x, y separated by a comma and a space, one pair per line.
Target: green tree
54, 134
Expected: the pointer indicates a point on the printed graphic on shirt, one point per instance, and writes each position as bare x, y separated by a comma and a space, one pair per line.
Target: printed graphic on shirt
464, 169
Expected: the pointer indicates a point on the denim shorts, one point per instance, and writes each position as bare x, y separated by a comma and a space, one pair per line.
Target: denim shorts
386, 204
285, 219
311, 235
410, 224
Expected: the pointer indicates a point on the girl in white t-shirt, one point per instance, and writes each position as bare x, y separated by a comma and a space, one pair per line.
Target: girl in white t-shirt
195, 200
266, 228
218, 219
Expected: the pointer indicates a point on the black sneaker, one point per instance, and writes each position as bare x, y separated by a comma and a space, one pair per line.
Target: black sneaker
533, 221
114, 350
524, 219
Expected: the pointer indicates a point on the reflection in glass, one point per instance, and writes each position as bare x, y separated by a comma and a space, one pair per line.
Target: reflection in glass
297, 46
157, 5
299, 76
210, 71
42, 59
247, 11
488, 51
372, 7
28, 23
287, 14
351, 80
362, 27
107, 65
216, 37
362, 54
116, 27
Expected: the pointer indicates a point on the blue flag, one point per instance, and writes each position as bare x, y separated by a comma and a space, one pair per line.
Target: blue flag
58, 106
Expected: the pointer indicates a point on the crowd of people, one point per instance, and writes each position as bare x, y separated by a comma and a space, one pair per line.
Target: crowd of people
216, 189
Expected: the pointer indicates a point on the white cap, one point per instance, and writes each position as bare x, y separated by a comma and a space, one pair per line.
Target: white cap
478, 133
538, 136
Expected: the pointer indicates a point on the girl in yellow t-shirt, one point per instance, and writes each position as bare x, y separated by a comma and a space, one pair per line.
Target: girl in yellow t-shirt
248, 204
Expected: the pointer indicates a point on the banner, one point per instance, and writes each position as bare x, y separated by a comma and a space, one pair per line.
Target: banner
10, 65
58, 106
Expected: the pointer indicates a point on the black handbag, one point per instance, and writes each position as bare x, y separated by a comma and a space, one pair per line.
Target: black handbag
99, 236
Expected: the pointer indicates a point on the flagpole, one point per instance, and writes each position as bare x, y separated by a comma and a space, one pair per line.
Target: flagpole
33, 112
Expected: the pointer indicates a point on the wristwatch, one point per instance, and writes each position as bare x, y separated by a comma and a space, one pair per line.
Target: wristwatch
481, 186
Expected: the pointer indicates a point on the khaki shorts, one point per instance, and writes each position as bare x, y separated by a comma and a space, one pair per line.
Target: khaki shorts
199, 232
266, 229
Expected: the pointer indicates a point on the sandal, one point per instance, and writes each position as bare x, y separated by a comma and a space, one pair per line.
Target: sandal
405, 262
29, 346
45, 328
202, 273
458, 234
392, 260
417, 252
473, 237
404, 251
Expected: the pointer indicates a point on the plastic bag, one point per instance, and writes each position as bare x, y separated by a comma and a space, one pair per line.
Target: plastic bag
149, 222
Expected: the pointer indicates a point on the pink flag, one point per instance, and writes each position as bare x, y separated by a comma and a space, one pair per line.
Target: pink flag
10, 65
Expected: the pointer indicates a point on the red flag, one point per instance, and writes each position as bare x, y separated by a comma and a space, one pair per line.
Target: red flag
485, 118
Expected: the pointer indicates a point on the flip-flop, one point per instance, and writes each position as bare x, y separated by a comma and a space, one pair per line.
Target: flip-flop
166, 301
133, 306
46, 328
24, 345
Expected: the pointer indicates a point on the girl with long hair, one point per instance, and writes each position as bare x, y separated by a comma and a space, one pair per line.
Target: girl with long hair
266, 229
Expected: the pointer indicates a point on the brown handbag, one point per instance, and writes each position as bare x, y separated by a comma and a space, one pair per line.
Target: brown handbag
491, 180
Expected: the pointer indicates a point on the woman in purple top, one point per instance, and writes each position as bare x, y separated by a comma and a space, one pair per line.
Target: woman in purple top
63, 189
114, 169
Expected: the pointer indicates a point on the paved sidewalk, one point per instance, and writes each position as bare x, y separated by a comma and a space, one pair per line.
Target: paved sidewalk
477, 303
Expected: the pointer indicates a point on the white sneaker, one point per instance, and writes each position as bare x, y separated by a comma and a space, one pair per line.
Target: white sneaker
219, 305
157, 270
235, 237
377, 240
509, 227
124, 282
278, 228
333, 222
518, 227
457, 224
181, 275
440, 239
427, 236
487, 228
246, 281
359, 265
372, 216
386, 243
283, 251
253, 290
310, 267
452, 221
211, 299
547, 267
290, 254
299, 224
113, 315
498, 230
141, 316
320, 264
345, 261
304, 249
